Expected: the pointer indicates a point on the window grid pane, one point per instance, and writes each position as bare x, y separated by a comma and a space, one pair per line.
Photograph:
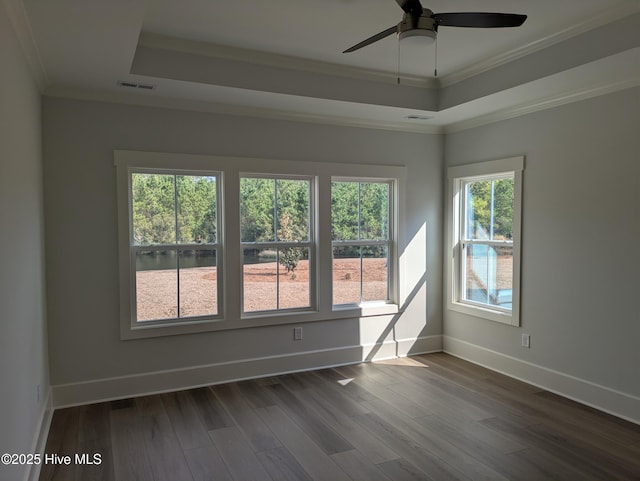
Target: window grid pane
197, 277
488, 207
156, 285
489, 275
153, 204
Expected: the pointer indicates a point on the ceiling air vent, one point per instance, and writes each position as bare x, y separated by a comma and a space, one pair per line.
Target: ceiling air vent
136, 85
418, 117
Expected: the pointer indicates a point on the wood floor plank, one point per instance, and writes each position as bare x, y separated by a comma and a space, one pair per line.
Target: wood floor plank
479, 446
260, 437
358, 467
439, 444
337, 391
310, 422
164, 452
542, 465
94, 438
428, 463
313, 459
93, 422
282, 465
402, 470
206, 464
212, 413
127, 442
62, 440
594, 459
101, 468
557, 451
256, 395
615, 430
186, 422
238, 455
369, 445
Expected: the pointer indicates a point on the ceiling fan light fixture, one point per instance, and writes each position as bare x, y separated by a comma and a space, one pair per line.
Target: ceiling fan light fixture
417, 29
417, 36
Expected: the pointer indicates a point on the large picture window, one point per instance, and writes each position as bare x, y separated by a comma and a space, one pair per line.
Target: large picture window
485, 271
210, 243
361, 243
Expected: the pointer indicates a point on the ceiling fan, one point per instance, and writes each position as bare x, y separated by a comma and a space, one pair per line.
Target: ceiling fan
420, 21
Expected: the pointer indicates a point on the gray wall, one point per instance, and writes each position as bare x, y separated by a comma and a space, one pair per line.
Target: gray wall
81, 227
580, 251
23, 351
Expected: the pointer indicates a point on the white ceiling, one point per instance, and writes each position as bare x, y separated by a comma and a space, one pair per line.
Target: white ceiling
322, 29
83, 47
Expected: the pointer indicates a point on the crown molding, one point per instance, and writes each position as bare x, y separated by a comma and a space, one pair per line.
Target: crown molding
154, 40
146, 99
150, 100
543, 104
22, 28
610, 15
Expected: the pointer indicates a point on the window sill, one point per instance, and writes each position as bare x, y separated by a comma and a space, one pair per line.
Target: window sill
365, 310
257, 320
169, 328
502, 317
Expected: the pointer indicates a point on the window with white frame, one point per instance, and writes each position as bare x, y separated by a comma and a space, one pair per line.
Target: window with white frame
485, 239
276, 234
361, 240
174, 245
210, 243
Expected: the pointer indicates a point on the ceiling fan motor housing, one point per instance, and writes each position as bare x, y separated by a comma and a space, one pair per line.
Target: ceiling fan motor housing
423, 25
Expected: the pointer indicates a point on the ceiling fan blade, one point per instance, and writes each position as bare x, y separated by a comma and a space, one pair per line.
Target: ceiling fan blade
410, 6
479, 19
375, 38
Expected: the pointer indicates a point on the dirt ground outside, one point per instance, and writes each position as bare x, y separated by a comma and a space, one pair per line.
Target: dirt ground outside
157, 290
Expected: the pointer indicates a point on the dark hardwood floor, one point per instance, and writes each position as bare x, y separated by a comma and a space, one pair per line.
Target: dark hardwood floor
430, 417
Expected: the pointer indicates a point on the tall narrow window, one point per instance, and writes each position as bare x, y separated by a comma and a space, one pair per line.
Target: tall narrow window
361, 240
174, 246
276, 233
486, 233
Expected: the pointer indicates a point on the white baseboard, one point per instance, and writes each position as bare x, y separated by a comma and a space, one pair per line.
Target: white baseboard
40, 437
420, 345
107, 389
617, 403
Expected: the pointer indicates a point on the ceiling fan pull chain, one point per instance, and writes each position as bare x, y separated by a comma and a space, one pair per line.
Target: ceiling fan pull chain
398, 63
435, 68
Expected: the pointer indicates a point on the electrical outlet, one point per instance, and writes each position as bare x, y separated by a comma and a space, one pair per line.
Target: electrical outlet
526, 340
297, 333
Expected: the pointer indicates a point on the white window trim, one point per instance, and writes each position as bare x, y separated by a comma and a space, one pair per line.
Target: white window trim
231, 168
456, 176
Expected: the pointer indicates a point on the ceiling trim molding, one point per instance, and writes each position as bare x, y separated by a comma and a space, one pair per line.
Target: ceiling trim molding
489, 63
22, 28
543, 104
154, 40
145, 99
